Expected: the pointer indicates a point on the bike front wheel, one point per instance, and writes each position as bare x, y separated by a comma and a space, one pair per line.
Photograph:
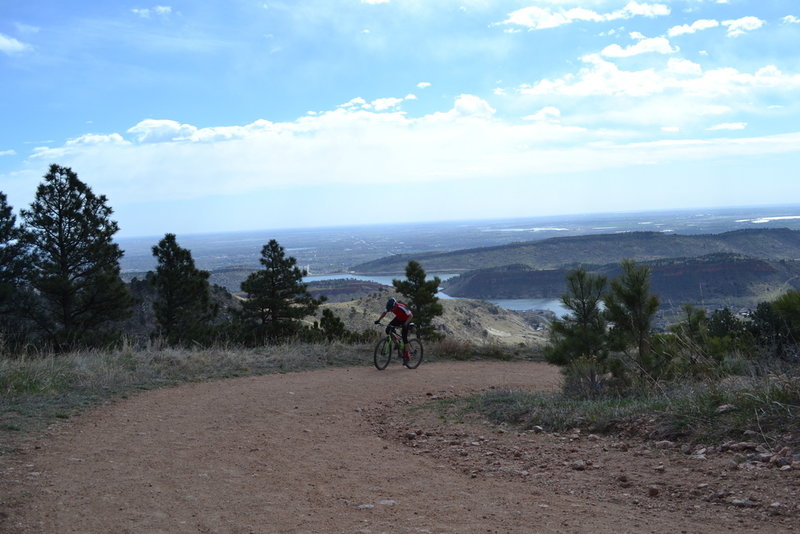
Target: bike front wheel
383, 354
414, 347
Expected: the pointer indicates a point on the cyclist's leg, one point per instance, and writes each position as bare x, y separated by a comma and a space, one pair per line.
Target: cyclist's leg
404, 331
395, 323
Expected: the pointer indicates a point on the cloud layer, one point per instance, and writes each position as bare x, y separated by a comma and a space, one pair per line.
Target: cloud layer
542, 18
553, 105
367, 144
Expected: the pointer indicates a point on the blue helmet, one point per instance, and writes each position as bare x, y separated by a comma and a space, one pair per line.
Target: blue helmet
390, 304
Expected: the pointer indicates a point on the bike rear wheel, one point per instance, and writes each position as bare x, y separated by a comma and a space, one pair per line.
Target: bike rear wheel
383, 354
414, 347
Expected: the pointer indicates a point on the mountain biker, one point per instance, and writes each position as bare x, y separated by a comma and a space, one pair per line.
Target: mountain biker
402, 318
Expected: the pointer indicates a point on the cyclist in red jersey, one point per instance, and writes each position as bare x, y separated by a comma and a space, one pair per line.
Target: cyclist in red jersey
402, 318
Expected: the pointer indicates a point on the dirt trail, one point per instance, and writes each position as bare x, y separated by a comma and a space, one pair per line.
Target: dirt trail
295, 453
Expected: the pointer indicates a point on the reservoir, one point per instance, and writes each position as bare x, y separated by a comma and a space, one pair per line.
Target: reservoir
553, 305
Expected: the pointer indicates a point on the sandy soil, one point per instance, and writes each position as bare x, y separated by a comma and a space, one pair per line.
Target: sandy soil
338, 451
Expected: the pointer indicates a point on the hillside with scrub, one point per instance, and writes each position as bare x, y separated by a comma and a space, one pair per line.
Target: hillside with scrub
713, 280
602, 249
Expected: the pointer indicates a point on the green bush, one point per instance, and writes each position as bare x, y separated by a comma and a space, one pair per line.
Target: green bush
586, 378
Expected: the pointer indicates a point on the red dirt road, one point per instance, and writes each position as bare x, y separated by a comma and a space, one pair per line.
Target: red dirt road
294, 453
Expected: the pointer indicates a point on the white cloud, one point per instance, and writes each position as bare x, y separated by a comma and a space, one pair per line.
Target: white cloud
95, 139
9, 45
8, 152
696, 26
742, 25
375, 1
355, 102
540, 18
791, 19
473, 106
601, 77
379, 104
81, 143
230, 133
423, 85
157, 131
684, 67
162, 11
732, 126
658, 45
645, 10
549, 113
382, 104
168, 160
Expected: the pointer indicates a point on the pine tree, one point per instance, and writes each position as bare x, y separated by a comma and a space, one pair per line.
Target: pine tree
276, 297
787, 306
14, 328
630, 308
582, 333
182, 308
12, 257
421, 297
75, 264
332, 327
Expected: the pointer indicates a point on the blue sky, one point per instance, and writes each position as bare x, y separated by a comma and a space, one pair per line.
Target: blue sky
232, 115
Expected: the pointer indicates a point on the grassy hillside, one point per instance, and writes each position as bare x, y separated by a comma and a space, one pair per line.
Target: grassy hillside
772, 244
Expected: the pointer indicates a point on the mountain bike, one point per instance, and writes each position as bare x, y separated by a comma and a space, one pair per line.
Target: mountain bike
394, 342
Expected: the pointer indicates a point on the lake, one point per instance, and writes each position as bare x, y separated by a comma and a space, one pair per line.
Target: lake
553, 305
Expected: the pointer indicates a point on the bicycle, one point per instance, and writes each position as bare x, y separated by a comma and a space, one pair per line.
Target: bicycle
387, 345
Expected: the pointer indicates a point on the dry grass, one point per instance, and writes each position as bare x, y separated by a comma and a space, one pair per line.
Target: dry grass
36, 390
453, 349
698, 412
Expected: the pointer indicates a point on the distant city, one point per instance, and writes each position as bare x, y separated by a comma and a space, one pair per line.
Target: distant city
334, 250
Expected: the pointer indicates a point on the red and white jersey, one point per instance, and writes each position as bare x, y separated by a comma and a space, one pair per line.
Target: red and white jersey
401, 311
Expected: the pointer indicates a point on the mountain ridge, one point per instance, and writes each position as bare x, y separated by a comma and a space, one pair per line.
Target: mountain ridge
720, 278
599, 249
